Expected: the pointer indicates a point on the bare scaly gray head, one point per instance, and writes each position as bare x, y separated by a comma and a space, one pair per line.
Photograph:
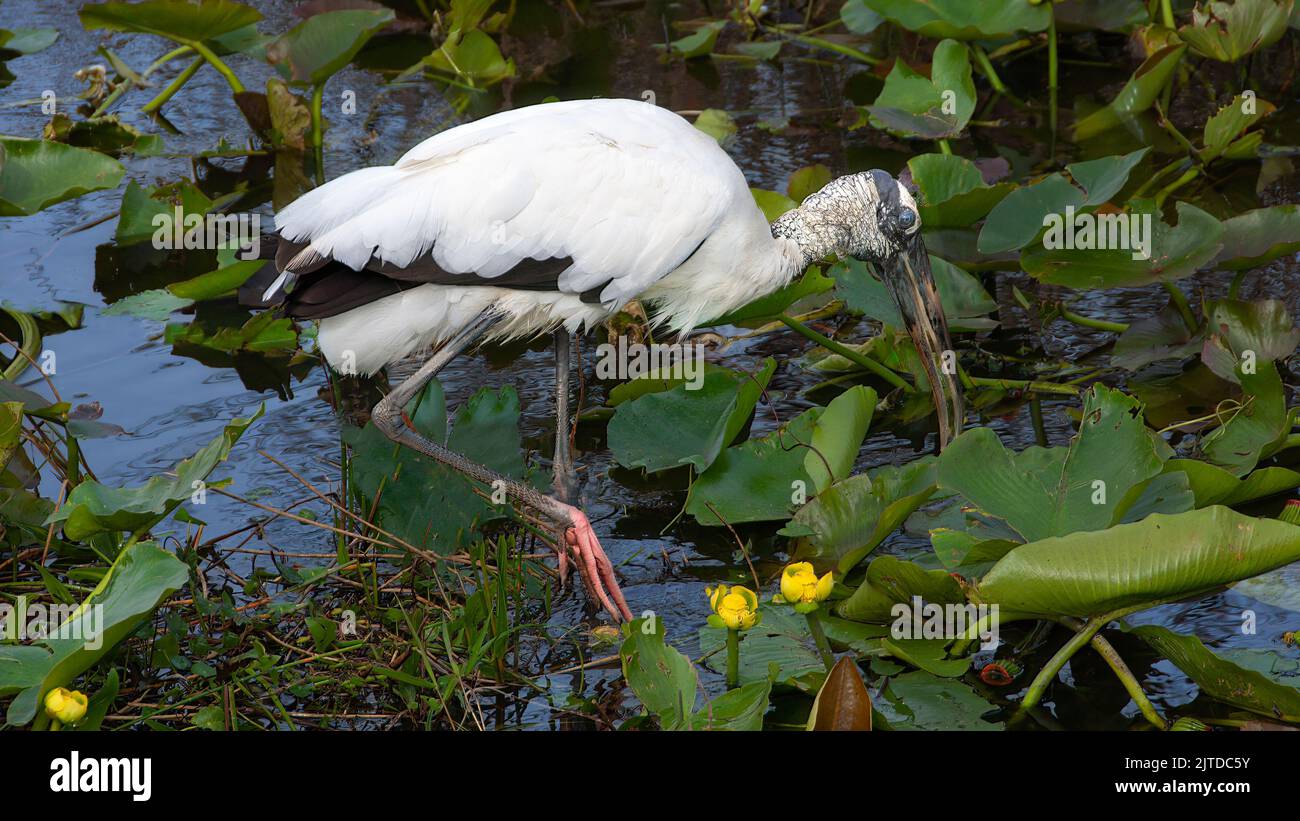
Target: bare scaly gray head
870, 217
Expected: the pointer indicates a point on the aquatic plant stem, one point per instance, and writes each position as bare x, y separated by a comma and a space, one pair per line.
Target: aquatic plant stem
1234, 290
986, 66
848, 353
1179, 300
1050, 670
733, 659
819, 637
837, 48
1188, 175
1156, 177
1089, 322
174, 86
209, 55
165, 59
317, 137
317, 97
1086, 631
1125, 676
1023, 385
1036, 416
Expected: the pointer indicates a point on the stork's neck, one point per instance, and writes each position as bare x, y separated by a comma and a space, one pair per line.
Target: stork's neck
824, 223
802, 238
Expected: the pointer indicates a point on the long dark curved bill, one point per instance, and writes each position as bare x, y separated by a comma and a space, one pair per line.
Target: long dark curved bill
911, 282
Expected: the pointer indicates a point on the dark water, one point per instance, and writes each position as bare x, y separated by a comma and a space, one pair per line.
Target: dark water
172, 405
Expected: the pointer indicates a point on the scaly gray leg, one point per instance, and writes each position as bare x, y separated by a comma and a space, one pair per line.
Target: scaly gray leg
577, 539
565, 483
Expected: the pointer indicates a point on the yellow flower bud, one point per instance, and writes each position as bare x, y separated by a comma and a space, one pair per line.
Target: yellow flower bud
736, 608
68, 706
800, 585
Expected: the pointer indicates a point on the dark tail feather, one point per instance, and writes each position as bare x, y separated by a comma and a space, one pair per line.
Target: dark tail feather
250, 293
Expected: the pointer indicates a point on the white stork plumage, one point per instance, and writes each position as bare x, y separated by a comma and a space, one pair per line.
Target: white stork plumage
548, 219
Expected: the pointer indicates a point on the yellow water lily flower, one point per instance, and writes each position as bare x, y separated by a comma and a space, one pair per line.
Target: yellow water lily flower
734, 608
67, 706
801, 587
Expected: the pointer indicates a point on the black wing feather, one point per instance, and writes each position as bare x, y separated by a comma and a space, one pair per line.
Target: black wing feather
326, 287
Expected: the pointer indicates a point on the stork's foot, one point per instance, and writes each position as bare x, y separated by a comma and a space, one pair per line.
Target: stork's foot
579, 544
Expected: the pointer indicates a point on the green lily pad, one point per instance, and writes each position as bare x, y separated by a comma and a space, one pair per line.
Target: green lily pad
1107, 15
106, 134
21, 41
1166, 493
1252, 431
476, 58
1043, 492
1103, 178
845, 420
1022, 215
922, 701
1229, 31
1262, 327
1257, 237
719, 125
848, 520
682, 426
953, 192
11, 421
1213, 485
755, 481
156, 303
662, 678
1163, 335
35, 174
738, 710
1175, 252
1225, 126
315, 49
931, 108
1278, 588
700, 42
1160, 558
930, 655
765, 479
891, 581
1138, 95
93, 508
182, 22
760, 49
150, 214
963, 20
262, 333
1222, 679
1018, 217
860, 18
968, 553
807, 180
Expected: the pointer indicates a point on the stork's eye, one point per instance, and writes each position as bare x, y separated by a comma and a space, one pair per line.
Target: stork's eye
907, 219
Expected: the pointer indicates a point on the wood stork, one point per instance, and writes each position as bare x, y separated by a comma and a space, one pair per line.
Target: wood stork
547, 219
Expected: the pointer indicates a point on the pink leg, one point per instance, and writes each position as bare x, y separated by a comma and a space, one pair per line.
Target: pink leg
595, 567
